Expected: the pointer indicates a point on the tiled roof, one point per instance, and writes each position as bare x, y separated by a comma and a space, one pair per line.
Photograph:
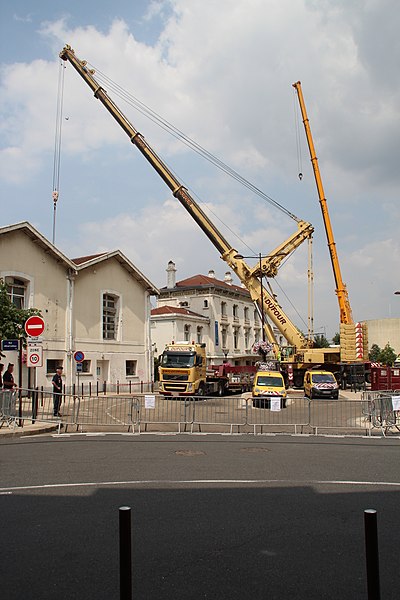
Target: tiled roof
82, 259
174, 310
205, 281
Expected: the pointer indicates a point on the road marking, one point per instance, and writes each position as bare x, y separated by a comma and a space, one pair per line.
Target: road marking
48, 486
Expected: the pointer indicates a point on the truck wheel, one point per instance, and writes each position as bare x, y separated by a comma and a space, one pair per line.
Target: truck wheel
201, 391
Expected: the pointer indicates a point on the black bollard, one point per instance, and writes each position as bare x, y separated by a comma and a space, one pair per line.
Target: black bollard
125, 553
372, 554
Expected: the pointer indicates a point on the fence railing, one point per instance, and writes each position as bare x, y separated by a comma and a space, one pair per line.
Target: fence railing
141, 412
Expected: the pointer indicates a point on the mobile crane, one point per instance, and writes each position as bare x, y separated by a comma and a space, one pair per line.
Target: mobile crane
300, 353
353, 336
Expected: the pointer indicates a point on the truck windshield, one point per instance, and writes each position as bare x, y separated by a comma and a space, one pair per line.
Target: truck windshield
178, 359
324, 378
267, 381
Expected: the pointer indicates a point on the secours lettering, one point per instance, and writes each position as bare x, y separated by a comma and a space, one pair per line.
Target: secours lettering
271, 306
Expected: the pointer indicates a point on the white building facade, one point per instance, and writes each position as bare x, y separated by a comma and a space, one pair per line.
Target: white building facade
218, 313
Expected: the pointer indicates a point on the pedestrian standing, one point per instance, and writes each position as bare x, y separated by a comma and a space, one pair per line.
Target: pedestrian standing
8, 378
57, 391
1, 377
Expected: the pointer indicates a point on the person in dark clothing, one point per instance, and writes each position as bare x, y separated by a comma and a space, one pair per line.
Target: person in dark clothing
1, 377
57, 391
8, 378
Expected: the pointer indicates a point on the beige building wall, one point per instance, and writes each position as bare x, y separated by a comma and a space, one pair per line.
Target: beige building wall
382, 331
70, 298
108, 357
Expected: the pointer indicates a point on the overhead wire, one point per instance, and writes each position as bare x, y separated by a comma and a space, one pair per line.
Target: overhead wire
57, 144
153, 116
178, 134
298, 138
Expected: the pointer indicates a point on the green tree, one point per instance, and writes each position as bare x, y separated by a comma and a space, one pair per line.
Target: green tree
320, 341
387, 356
12, 319
336, 338
374, 353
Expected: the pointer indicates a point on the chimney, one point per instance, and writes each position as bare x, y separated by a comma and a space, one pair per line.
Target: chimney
228, 278
171, 282
211, 273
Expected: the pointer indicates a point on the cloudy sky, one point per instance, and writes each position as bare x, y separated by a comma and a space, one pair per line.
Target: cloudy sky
222, 73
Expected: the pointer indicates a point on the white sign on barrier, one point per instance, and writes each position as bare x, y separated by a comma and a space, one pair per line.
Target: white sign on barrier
149, 401
396, 402
275, 404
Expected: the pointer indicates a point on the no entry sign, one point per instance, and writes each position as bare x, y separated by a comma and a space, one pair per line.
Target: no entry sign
34, 326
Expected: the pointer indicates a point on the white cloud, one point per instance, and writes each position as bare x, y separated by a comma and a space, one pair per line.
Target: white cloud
222, 72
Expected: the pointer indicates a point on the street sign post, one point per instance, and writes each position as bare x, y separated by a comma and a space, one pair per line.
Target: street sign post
9, 345
34, 355
79, 356
34, 326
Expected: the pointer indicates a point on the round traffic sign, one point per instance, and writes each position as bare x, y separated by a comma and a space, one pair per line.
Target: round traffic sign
79, 356
34, 358
34, 326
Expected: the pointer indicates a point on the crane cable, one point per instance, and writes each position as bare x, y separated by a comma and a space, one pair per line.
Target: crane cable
178, 134
298, 138
57, 144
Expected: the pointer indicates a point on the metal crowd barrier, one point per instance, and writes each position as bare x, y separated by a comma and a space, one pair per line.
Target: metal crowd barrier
382, 408
8, 409
143, 412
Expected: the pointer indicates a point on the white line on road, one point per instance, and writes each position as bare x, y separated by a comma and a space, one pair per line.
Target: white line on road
47, 486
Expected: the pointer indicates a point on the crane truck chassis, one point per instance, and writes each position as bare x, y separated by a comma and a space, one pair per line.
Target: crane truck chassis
183, 371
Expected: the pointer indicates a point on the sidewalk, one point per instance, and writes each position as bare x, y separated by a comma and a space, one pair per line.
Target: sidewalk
29, 428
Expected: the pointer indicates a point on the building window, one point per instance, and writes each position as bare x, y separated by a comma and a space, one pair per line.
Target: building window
52, 364
223, 309
110, 306
16, 290
246, 313
224, 337
205, 304
256, 319
246, 338
184, 304
186, 333
86, 366
130, 367
235, 311
199, 334
235, 338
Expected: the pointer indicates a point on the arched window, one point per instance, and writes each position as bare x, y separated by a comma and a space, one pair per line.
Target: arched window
110, 316
186, 333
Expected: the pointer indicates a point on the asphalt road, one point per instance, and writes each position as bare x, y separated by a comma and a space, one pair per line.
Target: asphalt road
212, 517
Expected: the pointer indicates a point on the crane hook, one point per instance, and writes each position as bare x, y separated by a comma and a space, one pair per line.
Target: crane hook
300, 176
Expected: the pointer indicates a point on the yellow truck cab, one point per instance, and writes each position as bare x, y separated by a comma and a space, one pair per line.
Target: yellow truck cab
320, 384
267, 385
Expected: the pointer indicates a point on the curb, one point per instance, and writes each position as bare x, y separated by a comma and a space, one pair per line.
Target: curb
21, 431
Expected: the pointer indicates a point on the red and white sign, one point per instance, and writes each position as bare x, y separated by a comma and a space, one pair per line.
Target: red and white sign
34, 356
34, 326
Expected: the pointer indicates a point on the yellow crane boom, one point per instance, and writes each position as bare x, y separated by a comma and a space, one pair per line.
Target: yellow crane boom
346, 316
266, 302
